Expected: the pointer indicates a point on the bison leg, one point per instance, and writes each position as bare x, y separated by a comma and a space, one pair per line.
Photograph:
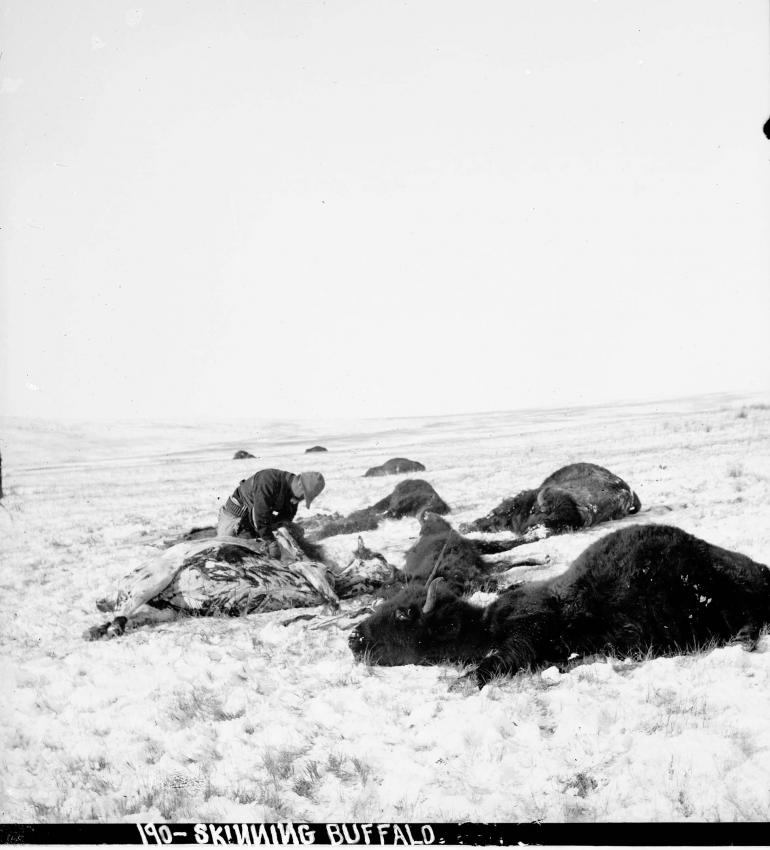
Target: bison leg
747, 637
496, 547
96, 632
525, 647
139, 588
490, 668
115, 628
146, 583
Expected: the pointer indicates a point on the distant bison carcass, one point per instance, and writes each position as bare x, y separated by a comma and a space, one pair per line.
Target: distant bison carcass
642, 589
576, 496
242, 454
394, 466
234, 577
313, 449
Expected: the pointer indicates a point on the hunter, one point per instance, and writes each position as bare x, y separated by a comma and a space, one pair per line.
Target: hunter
266, 501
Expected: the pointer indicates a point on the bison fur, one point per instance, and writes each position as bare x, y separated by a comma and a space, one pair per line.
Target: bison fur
644, 589
408, 498
576, 496
441, 551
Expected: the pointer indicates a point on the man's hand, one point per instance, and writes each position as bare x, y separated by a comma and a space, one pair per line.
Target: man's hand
274, 550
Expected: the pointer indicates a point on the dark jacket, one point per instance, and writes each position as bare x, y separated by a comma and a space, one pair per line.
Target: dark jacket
264, 501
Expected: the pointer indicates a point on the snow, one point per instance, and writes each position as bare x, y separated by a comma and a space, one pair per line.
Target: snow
247, 719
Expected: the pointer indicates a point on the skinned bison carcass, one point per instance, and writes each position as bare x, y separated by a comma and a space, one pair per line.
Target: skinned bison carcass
645, 589
233, 576
576, 496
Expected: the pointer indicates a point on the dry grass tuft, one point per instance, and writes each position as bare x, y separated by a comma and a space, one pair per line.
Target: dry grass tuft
198, 704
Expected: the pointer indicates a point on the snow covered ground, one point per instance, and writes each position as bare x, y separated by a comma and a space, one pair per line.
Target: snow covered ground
248, 720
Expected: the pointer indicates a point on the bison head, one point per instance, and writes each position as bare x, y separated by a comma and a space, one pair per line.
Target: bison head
419, 626
556, 510
432, 523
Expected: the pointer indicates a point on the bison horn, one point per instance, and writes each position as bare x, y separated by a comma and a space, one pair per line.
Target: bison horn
434, 571
430, 602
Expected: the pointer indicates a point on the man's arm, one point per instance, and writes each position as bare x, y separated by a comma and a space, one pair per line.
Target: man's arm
262, 513
289, 513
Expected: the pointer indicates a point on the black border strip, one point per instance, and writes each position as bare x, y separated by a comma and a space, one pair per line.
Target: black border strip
469, 834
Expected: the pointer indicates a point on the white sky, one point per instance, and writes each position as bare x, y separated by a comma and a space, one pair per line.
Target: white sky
258, 208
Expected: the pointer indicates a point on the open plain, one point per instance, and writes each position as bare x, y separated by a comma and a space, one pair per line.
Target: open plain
248, 720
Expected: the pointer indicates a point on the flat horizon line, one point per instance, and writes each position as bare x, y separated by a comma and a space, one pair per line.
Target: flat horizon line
191, 421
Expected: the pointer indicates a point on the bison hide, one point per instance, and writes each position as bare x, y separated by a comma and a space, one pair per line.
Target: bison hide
643, 589
576, 496
409, 498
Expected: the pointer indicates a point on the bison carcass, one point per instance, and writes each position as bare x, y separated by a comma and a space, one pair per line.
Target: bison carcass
409, 498
643, 589
395, 466
576, 496
233, 576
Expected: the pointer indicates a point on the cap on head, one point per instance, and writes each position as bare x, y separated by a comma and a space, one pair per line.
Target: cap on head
312, 484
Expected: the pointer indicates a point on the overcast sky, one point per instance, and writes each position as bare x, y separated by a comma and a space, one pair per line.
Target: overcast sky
364, 208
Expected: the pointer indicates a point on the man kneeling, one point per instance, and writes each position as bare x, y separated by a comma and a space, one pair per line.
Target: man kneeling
266, 501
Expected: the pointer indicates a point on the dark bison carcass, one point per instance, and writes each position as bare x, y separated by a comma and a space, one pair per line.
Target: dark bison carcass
643, 589
242, 454
409, 498
576, 496
320, 526
394, 466
440, 551
315, 449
